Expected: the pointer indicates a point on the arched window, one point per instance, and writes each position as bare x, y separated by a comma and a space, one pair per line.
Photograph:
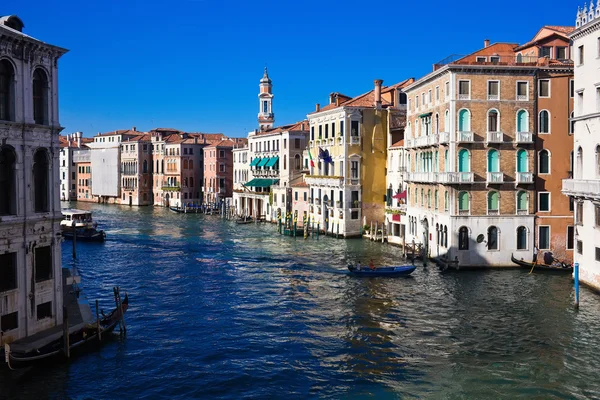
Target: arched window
464, 120
519, 58
492, 238
544, 122
40, 180
145, 166
40, 97
463, 203
522, 121
437, 123
493, 161
191, 164
446, 200
521, 238
8, 201
6, 90
185, 164
298, 162
493, 203
445, 236
435, 200
429, 198
191, 182
463, 238
446, 121
422, 197
522, 202
544, 164
522, 162
446, 161
463, 161
579, 170
572, 124
493, 121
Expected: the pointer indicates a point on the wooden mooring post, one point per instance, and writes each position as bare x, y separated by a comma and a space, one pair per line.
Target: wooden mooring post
576, 279
74, 240
66, 344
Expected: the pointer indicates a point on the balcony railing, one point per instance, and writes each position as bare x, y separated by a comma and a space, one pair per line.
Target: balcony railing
423, 176
465, 137
493, 212
581, 187
455, 177
354, 204
522, 212
354, 181
495, 137
444, 138
524, 177
464, 212
495, 177
524, 137
320, 180
409, 143
354, 139
493, 97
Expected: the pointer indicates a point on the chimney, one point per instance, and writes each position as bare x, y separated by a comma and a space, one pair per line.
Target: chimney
337, 100
377, 93
134, 129
486, 43
318, 108
78, 137
331, 98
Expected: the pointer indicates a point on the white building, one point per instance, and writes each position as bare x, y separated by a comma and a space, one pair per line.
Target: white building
396, 193
30, 250
69, 144
241, 168
585, 187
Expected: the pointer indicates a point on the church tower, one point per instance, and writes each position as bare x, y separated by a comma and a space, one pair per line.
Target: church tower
266, 117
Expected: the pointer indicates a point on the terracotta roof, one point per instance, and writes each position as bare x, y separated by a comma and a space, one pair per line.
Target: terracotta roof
295, 127
399, 143
301, 184
562, 29
121, 132
223, 143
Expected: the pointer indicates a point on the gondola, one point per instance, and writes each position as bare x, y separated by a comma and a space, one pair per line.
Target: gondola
85, 235
21, 354
401, 270
559, 267
244, 221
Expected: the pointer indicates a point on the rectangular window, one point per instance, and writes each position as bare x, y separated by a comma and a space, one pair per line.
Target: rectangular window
544, 88
417, 101
579, 247
598, 99
185, 151
493, 90
522, 91
9, 322
546, 51
544, 201
447, 89
8, 271
221, 167
296, 143
43, 263
44, 310
354, 214
354, 169
312, 135
580, 55
544, 237
296, 196
437, 93
341, 128
480, 59
429, 99
572, 88
326, 131
354, 128
320, 131
464, 90
333, 129
579, 213
305, 196
570, 237
561, 53
494, 59
571, 203
597, 214
598, 44
580, 102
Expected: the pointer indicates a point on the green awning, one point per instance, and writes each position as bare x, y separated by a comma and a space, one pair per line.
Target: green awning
425, 115
255, 161
272, 162
261, 182
263, 162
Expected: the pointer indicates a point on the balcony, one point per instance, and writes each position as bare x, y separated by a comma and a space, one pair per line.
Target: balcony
465, 137
523, 212
408, 143
354, 139
170, 188
354, 181
524, 178
524, 137
423, 176
354, 204
464, 212
455, 177
581, 187
444, 138
495, 137
493, 212
322, 180
495, 178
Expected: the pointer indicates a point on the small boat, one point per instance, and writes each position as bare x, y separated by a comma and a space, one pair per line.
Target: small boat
401, 270
81, 223
558, 266
22, 354
246, 220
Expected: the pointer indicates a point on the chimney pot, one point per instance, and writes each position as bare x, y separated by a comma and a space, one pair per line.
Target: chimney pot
318, 107
377, 92
331, 98
486, 43
134, 129
337, 100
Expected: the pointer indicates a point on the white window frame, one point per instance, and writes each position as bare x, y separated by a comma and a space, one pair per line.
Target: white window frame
488, 89
549, 122
479, 59
549, 162
437, 93
549, 236
549, 202
527, 232
458, 89
540, 88
580, 55
446, 89
526, 90
497, 236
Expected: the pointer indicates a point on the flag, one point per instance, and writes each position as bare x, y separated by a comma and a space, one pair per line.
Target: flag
324, 155
312, 163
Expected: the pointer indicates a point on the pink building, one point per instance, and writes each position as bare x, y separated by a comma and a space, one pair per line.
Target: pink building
218, 171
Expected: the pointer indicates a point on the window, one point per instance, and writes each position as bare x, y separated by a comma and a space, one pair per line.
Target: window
522, 121
265, 106
544, 88
312, 135
521, 238
463, 203
546, 51
561, 53
9, 322
597, 253
579, 213
221, 153
464, 120
6, 90
354, 128
43, 263
221, 167
598, 42
579, 247
492, 238
8, 271
493, 90
480, 59
446, 201
44, 310
523, 91
580, 101
326, 131
296, 195
570, 237
544, 201
597, 215
572, 124
8, 203
40, 97
572, 88
597, 98
305, 193
429, 99
522, 203
463, 238
493, 203
297, 162
544, 123
494, 59
580, 55
296, 143
222, 183
354, 169
447, 89
544, 164
40, 179
544, 237
464, 90
493, 125
437, 93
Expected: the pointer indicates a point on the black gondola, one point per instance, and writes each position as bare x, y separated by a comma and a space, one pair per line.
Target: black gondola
558, 266
85, 234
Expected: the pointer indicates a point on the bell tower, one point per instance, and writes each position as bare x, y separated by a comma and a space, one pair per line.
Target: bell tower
266, 117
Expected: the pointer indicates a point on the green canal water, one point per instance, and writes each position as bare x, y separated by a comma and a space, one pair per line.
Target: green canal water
220, 310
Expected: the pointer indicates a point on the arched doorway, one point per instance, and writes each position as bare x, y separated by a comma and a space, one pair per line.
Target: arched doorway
425, 237
167, 200
326, 212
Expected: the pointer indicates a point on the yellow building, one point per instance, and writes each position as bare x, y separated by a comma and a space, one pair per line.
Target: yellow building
348, 147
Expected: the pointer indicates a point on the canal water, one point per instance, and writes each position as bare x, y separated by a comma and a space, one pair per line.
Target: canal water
220, 310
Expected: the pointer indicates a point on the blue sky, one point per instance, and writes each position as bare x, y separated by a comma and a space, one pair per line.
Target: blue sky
195, 64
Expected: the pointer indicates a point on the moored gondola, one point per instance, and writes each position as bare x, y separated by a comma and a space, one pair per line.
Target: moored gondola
401, 270
558, 266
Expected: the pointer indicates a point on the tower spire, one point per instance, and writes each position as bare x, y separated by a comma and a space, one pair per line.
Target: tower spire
266, 117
